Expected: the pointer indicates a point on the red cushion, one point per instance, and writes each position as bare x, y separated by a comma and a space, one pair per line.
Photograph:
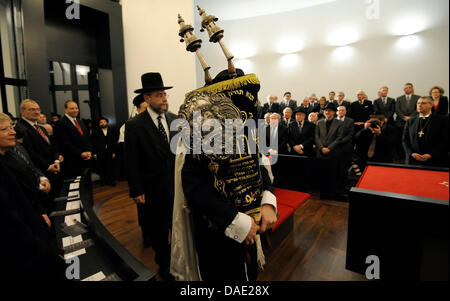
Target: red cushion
285, 212
290, 198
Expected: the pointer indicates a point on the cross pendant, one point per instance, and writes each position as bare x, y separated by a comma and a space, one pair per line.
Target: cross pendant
421, 133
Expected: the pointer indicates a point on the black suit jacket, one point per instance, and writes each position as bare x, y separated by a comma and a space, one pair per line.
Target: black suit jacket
361, 113
274, 108
345, 103
149, 161
436, 140
383, 145
308, 109
104, 145
387, 110
283, 138
292, 104
305, 138
72, 145
348, 128
26, 176
42, 153
27, 249
442, 108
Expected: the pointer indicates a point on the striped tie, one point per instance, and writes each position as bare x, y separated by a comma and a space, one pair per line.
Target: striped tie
41, 132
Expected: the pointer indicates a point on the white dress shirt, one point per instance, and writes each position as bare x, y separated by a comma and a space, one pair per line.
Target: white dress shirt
154, 117
241, 224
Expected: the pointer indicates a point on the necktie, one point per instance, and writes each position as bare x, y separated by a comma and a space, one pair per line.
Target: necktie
41, 132
371, 150
21, 156
300, 127
77, 125
384, 100
161, 129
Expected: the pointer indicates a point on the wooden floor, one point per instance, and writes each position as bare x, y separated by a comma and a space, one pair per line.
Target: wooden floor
314, 251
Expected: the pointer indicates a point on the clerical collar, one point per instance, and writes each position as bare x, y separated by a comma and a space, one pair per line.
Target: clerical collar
424, 116
341, 119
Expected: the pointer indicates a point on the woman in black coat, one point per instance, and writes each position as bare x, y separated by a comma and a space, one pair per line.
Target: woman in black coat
440, 102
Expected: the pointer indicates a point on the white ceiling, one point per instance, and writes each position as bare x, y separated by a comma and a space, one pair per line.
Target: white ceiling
242, 9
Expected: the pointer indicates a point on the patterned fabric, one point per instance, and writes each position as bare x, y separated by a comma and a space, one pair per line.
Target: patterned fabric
41, 132
161, 129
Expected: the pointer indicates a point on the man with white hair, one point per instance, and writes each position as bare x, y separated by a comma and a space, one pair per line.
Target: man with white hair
287, 117
360, 110
271, 106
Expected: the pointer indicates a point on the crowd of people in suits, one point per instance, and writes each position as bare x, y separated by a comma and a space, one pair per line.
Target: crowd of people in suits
36, 156
353, 133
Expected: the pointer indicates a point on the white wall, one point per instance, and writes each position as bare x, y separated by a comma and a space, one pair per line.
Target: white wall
152, 45
376, 58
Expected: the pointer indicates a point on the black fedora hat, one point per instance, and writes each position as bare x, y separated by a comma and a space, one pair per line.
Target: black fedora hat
138, 100
331, 106
151, 81
300, 110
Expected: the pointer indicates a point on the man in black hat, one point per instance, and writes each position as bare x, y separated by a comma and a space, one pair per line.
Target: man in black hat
328, 137
301, 134
104, 140
150, 166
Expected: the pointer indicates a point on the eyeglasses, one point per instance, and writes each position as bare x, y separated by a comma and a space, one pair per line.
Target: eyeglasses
161, 95
8, 128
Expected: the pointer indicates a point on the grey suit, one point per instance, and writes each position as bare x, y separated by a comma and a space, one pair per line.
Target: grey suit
387, 109
331, 139
404, 108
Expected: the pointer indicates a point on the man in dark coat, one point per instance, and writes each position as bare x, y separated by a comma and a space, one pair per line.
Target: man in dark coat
375, 142
348, 128
360, 110
73, 138
301, 134
104, 140
151, 166
328, 137
425, 137
385, 105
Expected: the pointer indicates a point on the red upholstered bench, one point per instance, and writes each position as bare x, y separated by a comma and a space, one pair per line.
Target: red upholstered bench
288, 202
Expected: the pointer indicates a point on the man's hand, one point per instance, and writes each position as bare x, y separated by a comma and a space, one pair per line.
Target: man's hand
46, 186
359, 123
298, 149
86, 155
140, 199
251, 236
421, 158
113, 156
54, 168
268, 217
376, 131
47, 220
326, 150
406, 118
61, 158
